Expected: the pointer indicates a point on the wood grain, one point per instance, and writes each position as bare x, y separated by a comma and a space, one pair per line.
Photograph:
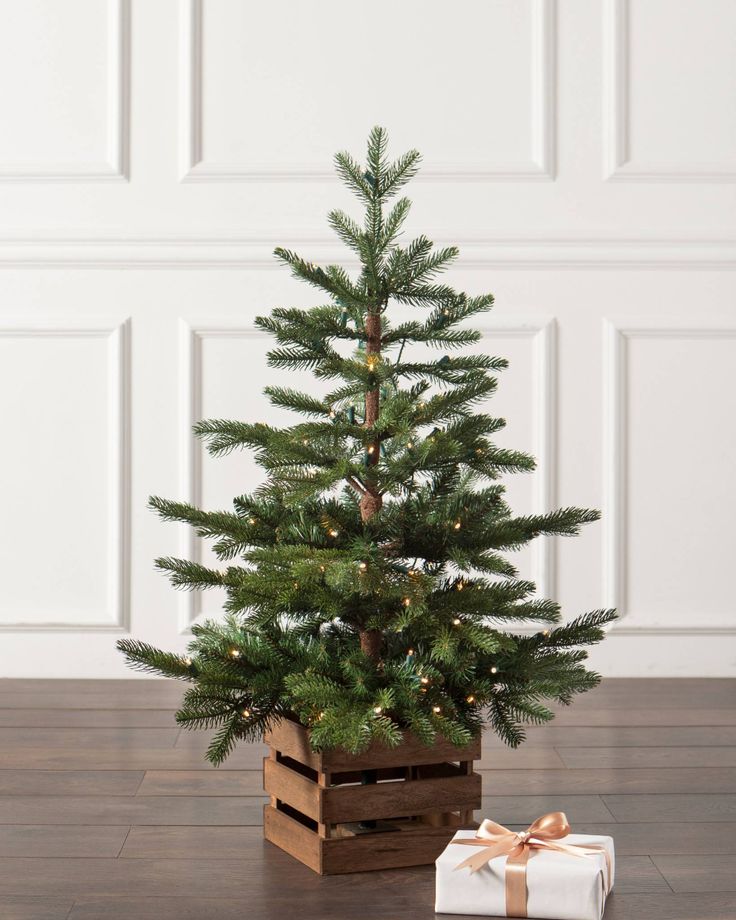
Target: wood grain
666, 796
77, 738
575, 715
661, 757
619, 736
663, 808
389, 800
292, 740
699, 872
70, 782
574, 782
201, 782
652, 838
519, 809
129, 810
59, 840
167, 842
35, 908
88, 718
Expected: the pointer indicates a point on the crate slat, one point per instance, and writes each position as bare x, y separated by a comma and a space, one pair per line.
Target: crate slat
292, 739
416, 846
292, 837
391, 800
289, 786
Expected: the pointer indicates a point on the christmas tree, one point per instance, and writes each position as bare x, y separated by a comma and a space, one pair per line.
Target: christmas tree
366, 588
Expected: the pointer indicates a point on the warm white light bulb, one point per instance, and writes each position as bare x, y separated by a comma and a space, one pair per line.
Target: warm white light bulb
436, 709
234, 653
457, 621
378, 710
494, 669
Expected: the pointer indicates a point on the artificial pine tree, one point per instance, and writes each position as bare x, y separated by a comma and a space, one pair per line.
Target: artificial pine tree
367, 590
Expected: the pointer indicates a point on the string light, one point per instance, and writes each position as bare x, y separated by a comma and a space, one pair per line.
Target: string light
371, 363
296, 584
410, 652
436, 709
321, 715
424, 680
460, 585
246, 713
457, 621
410, 444
470, 699
322, 569
458, 525
494, 669
332, 413
251, 520
363, 566
378, 710
305, 441
334, 533
371, 448
187, 661
407, 601
234, 653
545, 632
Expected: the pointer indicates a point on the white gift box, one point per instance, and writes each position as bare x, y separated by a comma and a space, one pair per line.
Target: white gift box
559, 886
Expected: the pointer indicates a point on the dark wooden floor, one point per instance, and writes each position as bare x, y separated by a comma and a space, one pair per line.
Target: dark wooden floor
107, 811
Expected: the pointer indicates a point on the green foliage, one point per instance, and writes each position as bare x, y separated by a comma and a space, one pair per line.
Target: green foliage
382, 517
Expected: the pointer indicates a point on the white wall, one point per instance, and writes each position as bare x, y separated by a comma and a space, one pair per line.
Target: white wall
583, 155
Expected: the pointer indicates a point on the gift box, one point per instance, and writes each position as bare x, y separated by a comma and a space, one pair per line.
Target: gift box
545, 872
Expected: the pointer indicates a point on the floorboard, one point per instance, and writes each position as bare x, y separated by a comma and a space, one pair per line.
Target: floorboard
109, 812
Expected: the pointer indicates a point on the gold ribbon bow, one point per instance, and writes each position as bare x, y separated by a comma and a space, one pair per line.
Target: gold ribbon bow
498, 840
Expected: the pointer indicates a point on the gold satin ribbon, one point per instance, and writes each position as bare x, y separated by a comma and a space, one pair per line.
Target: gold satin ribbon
498, 840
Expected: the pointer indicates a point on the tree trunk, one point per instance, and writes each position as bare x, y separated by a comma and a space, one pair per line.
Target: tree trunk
371, 640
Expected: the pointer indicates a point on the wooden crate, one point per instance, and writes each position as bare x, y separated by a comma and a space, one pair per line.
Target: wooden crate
322, 805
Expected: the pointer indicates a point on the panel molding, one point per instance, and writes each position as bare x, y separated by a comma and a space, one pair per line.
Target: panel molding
618, 164
117, 338
115, 166
615, 452
242, 251
191, 337
543, 332
540, 329
540, 166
